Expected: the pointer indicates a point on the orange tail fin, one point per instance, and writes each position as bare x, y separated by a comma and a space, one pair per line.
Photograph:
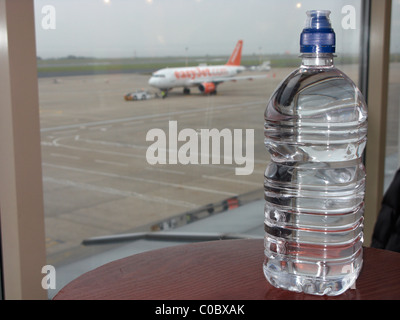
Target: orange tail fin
236, 56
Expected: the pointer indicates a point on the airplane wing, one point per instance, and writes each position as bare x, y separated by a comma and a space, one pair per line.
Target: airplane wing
225, 79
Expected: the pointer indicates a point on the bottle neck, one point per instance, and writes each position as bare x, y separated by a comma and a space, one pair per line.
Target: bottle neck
317, 60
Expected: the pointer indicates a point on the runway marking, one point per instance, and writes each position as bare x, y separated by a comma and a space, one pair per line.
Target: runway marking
232, 180
161, 119
66, 132
127, 145
46, 143
188, 116
165, 170
112, 163
168, 184
148, 116
56, 143
64, 156
113, 191
113, 144
132, 123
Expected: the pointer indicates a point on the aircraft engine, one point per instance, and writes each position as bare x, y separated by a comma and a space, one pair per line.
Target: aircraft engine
207, 87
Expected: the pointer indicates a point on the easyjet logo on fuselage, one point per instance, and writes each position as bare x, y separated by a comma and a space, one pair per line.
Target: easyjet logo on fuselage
200, 72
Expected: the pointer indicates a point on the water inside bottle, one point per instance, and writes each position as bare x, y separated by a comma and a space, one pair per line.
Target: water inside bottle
315, 132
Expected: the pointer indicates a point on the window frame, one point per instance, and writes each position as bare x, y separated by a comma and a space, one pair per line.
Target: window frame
21, 191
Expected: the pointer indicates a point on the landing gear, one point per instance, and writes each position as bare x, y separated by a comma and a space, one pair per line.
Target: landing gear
186, 91
164, 93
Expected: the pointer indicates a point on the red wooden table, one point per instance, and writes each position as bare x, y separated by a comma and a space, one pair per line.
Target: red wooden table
217, 270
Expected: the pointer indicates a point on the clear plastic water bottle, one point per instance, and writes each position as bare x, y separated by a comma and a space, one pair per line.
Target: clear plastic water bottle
315, 131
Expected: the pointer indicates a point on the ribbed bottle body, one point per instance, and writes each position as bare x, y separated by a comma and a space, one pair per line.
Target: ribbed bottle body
315, 131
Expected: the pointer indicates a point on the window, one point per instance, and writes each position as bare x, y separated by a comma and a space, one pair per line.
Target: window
98, 174
97, 179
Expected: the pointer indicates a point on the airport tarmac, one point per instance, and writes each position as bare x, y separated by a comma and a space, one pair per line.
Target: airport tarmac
96, 178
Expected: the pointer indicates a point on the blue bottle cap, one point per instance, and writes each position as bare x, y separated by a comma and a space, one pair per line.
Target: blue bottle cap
318, 35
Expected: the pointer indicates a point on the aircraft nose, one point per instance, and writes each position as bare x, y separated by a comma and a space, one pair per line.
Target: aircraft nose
152, 81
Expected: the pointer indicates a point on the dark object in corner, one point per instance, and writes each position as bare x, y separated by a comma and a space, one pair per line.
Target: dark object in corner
387, 228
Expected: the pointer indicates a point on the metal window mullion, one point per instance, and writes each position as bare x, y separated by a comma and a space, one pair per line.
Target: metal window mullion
364, 47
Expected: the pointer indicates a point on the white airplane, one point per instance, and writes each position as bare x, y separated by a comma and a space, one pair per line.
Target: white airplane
206, 78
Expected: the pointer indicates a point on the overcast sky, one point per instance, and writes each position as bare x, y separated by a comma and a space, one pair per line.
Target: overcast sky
124, 28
